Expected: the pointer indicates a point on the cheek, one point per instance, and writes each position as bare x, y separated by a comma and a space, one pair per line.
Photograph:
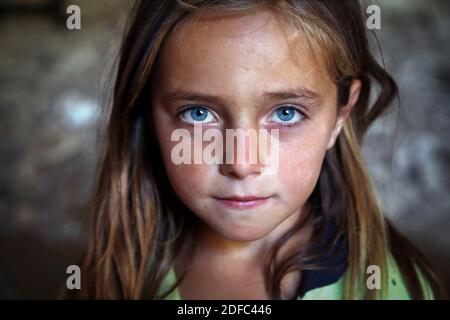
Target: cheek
301, 164
189, 181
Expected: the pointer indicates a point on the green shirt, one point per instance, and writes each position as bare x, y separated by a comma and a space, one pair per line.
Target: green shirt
396, 287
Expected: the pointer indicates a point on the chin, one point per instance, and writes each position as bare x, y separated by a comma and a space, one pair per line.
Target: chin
244, 233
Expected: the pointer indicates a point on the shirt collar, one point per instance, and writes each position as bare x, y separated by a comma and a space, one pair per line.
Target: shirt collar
333, 262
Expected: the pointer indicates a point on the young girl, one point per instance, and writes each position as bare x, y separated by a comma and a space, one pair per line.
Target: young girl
311, 230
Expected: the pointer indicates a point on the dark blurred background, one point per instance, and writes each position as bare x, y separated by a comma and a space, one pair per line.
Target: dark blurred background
53, 83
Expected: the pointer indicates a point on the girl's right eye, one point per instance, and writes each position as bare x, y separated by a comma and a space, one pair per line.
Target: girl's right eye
197, 115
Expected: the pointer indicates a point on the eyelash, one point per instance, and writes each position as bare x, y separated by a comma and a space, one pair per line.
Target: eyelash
288, 125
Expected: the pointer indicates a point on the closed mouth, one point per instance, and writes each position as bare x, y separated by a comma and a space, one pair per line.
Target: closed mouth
242, 202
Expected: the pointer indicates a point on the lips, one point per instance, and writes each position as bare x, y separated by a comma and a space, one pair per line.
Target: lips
242, 202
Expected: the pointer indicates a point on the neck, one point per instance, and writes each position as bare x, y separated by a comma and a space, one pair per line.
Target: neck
231, 261
248, 252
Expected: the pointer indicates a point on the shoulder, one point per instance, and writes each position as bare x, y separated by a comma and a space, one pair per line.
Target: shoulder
396, 286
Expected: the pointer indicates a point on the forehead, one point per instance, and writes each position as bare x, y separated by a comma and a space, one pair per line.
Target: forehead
239, 54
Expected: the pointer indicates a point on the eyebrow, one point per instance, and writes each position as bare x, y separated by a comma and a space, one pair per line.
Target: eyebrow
302, 93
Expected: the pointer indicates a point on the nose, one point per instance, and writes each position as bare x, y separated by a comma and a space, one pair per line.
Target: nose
240, 171
241, 156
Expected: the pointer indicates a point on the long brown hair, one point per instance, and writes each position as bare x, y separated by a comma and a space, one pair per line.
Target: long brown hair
140, 223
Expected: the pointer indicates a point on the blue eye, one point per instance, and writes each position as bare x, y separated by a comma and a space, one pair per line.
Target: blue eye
197, 115
286, 115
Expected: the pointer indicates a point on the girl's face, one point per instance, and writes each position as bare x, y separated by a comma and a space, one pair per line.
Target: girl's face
245, 72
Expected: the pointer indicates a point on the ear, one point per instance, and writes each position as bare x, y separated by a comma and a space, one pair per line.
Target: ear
344, 111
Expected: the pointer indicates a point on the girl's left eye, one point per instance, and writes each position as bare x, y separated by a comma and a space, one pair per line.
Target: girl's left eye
286, 115
197, 115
